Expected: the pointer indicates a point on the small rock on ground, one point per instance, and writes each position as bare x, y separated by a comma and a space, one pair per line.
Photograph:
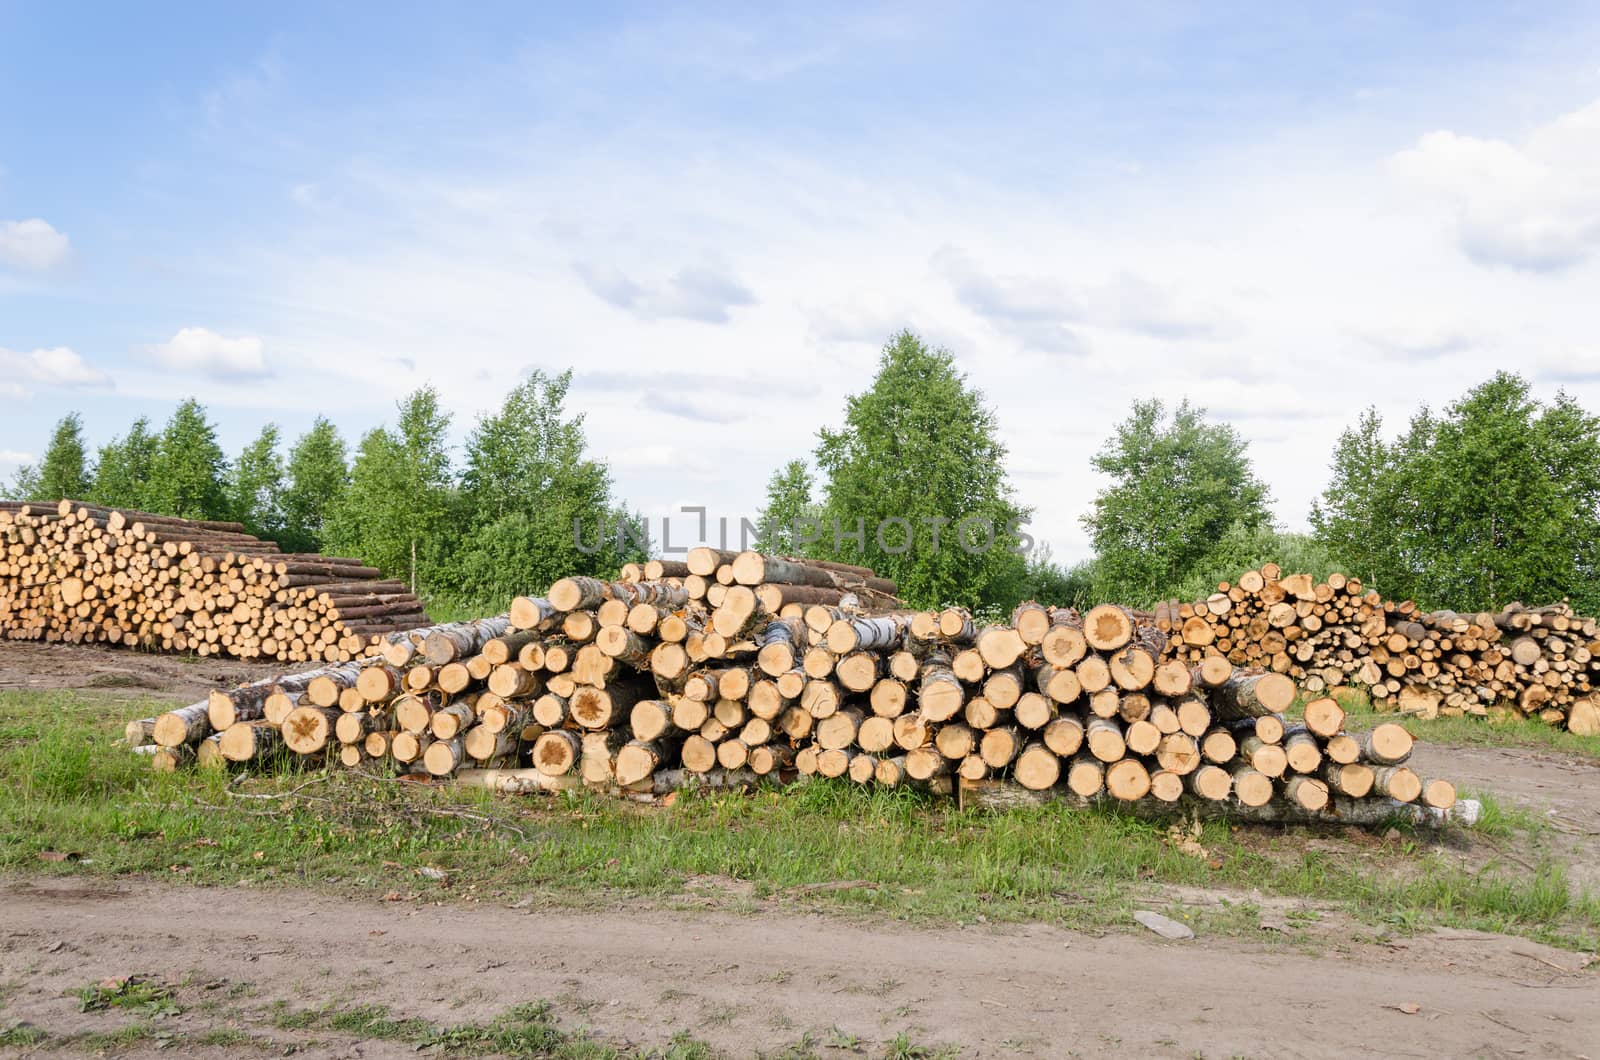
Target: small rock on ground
1164, 926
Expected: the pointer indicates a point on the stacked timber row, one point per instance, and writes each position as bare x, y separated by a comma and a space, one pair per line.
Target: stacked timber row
774, 667
1539, 662
79, 574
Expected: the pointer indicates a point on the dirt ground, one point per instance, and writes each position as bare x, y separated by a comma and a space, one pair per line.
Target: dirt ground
745, 983
129, 674
760, 982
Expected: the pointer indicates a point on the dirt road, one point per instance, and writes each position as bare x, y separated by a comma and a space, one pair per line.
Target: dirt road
748, 983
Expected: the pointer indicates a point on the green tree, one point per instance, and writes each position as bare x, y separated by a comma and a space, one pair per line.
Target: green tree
915, 484
61, 472
24, 485
318, 476
1359, 517
1178, 486
1503, 499
790, 513
255, 485
396, 512
1495, 499
536, 508
124, 468
186, 479
1047, 582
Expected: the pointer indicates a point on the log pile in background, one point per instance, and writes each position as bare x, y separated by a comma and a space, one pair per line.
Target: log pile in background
1539, 662
736, 666
77, 573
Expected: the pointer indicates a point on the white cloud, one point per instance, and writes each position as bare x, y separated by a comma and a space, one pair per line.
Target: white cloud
695, 292
1535, 206
1417, 339
32, 244
1568, 367
15, 457
56, 366
204, 352
1049, 313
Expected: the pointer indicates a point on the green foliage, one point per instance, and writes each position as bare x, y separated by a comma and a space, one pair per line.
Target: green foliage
1358, 516
24, 485
122, 472
918, 457
1178, 486
62, 472
1496, 499
1046, 582
137, 993
255, 485
790, 513
318, 478
530, 506
186, 478
535, 508
396, 513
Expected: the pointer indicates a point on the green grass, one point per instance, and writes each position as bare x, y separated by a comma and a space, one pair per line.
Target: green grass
526, 1031
136, 994
65, 786
21, 1036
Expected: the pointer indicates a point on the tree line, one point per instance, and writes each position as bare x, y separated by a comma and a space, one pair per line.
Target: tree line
470, 534
1494, 498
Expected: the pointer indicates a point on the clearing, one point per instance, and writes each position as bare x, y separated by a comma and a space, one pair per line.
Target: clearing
818, 923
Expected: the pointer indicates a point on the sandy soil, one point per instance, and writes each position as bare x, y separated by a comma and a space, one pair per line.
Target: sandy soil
122, 673
760, 982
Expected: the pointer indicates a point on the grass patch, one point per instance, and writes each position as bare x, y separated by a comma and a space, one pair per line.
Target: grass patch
230, 1037
526, 1031
65, 786
901, 1047
21, 1036
134, 994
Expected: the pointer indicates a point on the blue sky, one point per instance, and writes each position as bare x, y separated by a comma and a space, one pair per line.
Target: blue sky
716, 215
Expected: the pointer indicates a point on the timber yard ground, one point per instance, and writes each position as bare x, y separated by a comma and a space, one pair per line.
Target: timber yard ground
344, 916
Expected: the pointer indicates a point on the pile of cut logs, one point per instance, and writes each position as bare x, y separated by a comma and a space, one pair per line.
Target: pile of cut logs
1539, 662
76, 573
733, 666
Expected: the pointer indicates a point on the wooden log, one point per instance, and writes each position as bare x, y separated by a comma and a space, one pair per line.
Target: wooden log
556, 752
1064, 736
308, 729
186, 725
1386, 744
1396, 782
1252, 695
443, 757
1000, 646
1108, 627
1037, 767
1351, 779
1324, 717
246, 741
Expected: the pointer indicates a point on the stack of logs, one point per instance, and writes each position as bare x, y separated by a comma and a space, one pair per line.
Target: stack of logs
76, 573
743, 665
1539, 662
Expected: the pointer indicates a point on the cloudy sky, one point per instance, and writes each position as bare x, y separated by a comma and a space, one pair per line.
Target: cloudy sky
717, 217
